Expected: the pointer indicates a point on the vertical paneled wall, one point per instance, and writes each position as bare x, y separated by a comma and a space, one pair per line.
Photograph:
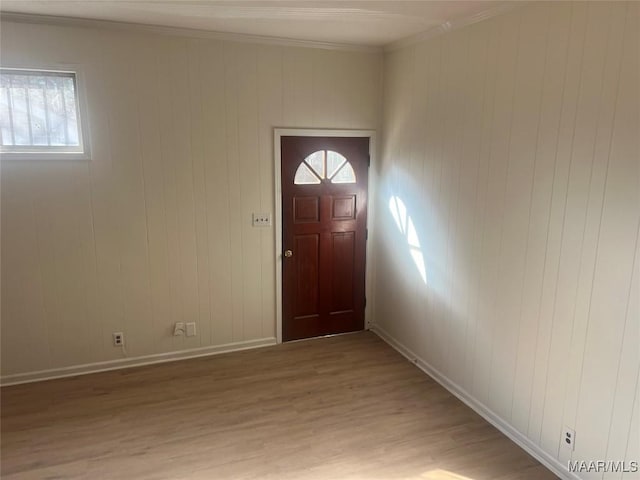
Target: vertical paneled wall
156, 228
507, 216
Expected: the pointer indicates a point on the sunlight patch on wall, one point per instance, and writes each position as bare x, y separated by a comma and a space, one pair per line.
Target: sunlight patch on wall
407, 228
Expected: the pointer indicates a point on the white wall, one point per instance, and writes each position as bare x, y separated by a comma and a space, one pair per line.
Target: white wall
156, 228
513, 144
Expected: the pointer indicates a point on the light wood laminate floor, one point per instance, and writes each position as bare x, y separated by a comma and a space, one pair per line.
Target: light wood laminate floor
346, 407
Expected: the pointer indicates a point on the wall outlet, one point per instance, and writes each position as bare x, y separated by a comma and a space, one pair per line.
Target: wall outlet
118, 339
568, 439
261, 220
191, 329
178, 329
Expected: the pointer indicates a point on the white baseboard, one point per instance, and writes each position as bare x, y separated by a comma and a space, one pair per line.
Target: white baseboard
526, 444
132, 362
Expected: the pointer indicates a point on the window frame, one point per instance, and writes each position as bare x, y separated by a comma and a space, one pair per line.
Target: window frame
54, 152
325, 177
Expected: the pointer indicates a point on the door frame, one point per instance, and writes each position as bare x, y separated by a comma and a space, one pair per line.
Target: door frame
278, 133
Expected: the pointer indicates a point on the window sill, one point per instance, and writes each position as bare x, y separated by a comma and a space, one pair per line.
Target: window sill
43, 156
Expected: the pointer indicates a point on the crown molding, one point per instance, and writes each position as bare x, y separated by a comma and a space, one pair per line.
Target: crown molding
180, 31
446, 27
441, 29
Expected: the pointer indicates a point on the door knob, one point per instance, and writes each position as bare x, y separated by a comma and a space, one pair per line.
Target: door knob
288, 253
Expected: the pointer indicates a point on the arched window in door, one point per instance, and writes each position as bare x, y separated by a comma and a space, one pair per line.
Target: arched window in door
324, 165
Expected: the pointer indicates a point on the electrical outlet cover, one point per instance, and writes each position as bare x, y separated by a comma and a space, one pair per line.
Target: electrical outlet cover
178, 329
118, 339
568, 439
191, 329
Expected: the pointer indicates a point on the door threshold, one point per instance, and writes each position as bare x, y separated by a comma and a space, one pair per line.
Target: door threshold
326, 336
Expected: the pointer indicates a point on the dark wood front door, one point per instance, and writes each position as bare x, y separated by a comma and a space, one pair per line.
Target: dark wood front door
324, 212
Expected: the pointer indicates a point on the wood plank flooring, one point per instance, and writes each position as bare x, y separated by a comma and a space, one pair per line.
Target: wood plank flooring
346, 407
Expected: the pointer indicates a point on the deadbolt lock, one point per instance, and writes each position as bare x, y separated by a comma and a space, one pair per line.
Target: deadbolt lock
288, 253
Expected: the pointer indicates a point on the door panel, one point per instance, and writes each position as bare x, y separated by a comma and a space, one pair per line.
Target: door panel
324, 212
306, 209
307, 275
344, 208
343, 254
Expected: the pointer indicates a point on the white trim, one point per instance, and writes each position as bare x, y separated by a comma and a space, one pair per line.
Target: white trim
518, 438
316, 132
133, 362
180, 31
43, 156
454, 25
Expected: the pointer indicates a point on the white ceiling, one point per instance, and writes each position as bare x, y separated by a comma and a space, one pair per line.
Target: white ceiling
359, 22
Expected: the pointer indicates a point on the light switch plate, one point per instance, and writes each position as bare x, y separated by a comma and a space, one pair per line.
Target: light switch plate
261, 220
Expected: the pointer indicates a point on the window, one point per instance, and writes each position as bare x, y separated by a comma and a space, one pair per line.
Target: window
39, 115
324, 164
